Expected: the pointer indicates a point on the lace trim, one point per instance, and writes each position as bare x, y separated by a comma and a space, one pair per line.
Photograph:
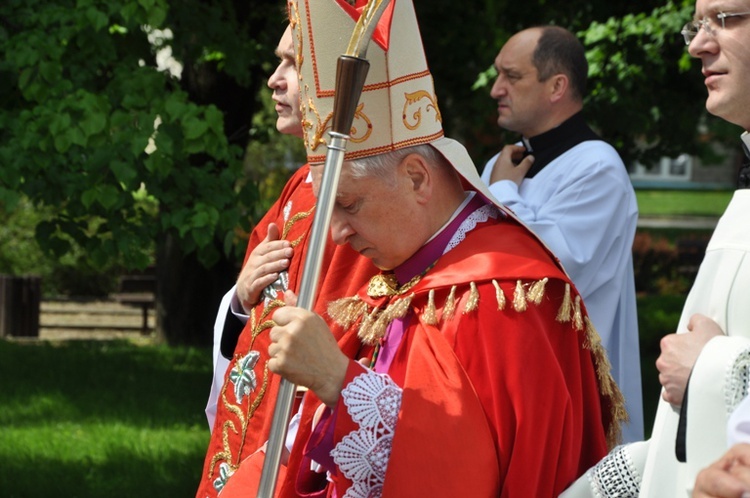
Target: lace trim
615, 476
481, 215
738, 381
373, 401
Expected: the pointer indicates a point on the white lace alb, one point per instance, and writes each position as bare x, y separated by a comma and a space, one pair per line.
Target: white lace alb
373, 401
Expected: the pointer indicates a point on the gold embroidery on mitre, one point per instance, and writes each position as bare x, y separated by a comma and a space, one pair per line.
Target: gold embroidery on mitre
313, 131
563, 315
577, 315
354, 135
499, 295
607, 385
519, 297
449, 309
536, 292
416, 97
473, 303
294, 21
429, 316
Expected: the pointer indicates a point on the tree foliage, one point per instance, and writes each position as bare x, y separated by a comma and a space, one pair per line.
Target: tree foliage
82, 98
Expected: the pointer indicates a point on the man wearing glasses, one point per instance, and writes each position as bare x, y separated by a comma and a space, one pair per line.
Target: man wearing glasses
705, 366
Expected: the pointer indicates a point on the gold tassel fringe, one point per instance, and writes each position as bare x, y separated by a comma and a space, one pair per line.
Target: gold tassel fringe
449, 310
519, 297
499, 295
430, 313
473, 303
607, 385
577, 315
536, 293
563, 315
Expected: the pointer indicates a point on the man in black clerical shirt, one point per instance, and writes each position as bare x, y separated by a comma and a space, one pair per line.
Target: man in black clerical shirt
571, 188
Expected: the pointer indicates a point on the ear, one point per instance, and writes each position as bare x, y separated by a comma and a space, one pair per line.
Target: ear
558, 87
419, 176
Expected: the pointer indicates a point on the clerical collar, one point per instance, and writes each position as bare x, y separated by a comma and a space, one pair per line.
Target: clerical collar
434, 248
746, 143
553, 143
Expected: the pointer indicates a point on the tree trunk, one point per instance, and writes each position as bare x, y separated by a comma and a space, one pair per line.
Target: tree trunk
188, 294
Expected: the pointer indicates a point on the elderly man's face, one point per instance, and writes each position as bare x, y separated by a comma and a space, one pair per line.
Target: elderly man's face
377, 218
725, 56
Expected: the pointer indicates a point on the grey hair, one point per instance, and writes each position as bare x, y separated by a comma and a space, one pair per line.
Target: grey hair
383, 166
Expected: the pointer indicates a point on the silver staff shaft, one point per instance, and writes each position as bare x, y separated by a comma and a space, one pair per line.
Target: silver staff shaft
306, 299
351, 71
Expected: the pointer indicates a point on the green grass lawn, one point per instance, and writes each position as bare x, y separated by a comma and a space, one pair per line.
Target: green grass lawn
682, 202
104, 419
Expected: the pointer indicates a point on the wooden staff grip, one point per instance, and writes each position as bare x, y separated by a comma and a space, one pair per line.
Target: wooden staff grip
350, 79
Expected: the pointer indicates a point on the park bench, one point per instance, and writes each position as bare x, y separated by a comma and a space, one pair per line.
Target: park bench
140, 291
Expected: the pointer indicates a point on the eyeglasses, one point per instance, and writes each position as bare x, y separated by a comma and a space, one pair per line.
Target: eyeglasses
709, 23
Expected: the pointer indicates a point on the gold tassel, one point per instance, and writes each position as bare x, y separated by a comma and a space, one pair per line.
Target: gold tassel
536, 293
378, 325
473, 303
430, 313
347, 310
563, 315
577, 315
499, 295
397, 309
607, 385
519, 298
450, 305
365, 333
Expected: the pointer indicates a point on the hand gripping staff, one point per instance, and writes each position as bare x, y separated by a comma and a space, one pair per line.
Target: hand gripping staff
351, 71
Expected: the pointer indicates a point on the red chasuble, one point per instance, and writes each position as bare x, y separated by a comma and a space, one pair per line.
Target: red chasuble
504, 387
247, 400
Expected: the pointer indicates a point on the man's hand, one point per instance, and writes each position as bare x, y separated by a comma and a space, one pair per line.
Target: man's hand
728, 477
304, 352
266, 261
510, 166
679, 353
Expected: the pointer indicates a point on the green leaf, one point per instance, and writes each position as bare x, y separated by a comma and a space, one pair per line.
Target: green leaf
124, 172
194, 128
96, 18
93, 122
89, 197
108, 196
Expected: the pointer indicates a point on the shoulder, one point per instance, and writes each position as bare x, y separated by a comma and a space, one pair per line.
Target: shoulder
505, 250
597, 152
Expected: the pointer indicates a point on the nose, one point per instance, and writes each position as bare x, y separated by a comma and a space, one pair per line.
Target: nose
703, 42
341, 230
498, 89
276, 81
